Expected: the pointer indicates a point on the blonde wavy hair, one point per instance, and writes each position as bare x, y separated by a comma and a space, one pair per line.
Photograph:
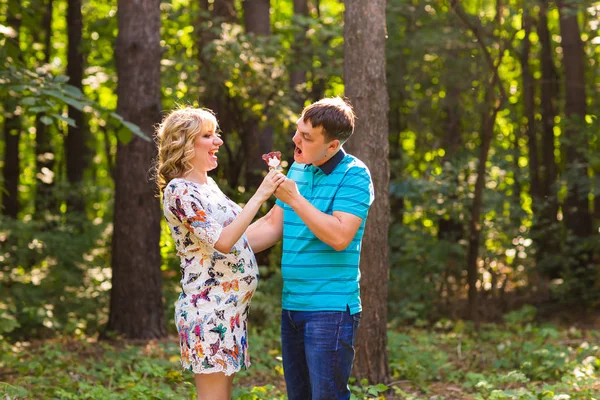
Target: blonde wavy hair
175, 141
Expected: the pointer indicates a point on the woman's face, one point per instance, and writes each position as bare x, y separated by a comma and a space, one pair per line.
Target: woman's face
206, 147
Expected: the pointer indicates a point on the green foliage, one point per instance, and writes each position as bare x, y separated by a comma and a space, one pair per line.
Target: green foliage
452, 360
49, 95
54, 277
364, 390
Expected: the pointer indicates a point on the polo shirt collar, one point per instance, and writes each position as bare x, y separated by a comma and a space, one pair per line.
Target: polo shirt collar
333, 162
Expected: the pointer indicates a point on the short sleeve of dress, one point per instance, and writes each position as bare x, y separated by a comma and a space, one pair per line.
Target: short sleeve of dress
356, 193
184, 209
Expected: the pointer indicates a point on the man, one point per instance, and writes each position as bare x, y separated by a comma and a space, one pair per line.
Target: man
320, 213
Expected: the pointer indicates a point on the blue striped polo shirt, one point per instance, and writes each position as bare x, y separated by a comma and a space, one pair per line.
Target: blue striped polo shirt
316, 277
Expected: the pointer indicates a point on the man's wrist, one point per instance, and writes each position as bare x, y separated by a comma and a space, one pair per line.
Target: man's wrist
296, 201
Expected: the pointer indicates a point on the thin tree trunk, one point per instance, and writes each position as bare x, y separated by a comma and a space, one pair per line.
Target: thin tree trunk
136, 306
12, 125
451, 229
365, 84
529, 110
576, 210
44, 152
75, 149
256, 139
11, 170
297, 71
545, 228
549, 91
216, 96
225, 9
493, 103
487, 132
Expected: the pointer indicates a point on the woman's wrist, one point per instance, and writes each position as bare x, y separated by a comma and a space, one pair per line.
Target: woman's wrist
255, 201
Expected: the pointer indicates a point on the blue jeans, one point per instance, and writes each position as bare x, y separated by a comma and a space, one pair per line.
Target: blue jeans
318, 350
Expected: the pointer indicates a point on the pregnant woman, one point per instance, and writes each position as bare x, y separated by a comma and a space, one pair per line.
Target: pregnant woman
218, 268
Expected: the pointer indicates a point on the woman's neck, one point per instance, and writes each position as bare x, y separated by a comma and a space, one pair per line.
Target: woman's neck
197, 176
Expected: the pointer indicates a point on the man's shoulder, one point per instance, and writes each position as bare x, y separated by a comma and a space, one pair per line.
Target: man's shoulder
297, 168
352, 165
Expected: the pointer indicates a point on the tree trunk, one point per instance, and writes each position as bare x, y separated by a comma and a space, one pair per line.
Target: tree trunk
487, 133
451, 229
365, 83
256, 17
297, 71
12, 124
529, 111
493, 102
44, 152
11, 171
225, 10
75, 149
577, 213
136, 307
257, 139
549, 90
545, 225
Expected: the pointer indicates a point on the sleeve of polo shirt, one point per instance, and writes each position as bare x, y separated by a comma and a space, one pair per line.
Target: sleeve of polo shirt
355, 193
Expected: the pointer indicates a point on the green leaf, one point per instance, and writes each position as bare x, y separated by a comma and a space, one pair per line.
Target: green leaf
73, 91
29, 101
124, 135
46, 120
381, 387
61, 79
40, 109
136, 130
116, 116
70, 101
68, 120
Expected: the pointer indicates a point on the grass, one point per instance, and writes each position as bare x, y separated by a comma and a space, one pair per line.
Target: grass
515, 360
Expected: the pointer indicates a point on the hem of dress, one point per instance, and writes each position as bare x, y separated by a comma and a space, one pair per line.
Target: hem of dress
206, 372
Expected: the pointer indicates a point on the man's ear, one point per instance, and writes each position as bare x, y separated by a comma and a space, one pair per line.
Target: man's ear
334, 145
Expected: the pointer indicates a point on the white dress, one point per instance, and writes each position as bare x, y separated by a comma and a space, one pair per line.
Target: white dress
212, 309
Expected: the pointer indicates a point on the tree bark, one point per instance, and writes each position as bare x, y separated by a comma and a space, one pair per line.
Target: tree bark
529, 111
225, 9
365, 83
545, 211
136, 306
257, 138
75, 149
297, 71
487, 132
451, 229
578, 217
44, 152
12, 125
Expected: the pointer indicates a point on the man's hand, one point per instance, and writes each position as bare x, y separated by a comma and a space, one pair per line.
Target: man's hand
288, 192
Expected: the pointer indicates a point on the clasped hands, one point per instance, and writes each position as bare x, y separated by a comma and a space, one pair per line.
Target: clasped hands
287, 191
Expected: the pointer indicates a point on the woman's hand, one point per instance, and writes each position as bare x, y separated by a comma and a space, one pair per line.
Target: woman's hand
269, 184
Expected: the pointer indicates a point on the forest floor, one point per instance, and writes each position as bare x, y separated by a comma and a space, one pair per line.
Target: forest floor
518, 359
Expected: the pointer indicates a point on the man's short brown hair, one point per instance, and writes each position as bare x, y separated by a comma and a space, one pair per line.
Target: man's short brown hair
334, 114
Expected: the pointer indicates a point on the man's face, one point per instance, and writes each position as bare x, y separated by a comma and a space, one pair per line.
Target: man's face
311, 145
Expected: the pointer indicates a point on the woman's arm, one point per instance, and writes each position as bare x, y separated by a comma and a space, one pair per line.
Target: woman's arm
232, 232
266, 231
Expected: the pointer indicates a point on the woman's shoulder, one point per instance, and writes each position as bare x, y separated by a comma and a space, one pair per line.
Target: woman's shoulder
179, 184
175, 185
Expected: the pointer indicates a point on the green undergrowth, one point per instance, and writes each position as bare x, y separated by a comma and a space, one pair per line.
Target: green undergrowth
451, 360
